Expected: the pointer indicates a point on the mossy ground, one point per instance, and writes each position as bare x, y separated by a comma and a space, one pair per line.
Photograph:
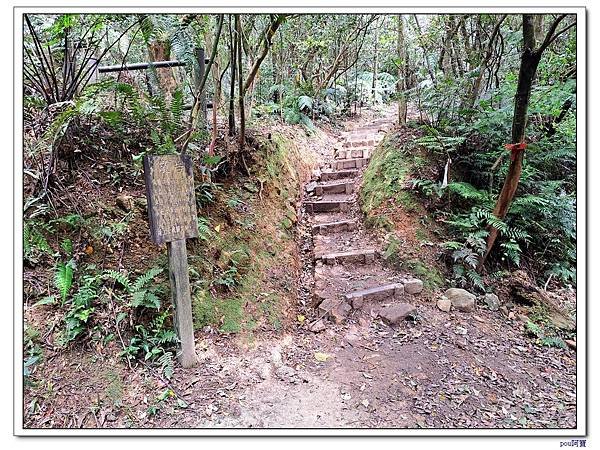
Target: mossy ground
389, 205
245, 266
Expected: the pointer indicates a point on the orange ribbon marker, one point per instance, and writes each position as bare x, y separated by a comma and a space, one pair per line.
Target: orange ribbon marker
515, 148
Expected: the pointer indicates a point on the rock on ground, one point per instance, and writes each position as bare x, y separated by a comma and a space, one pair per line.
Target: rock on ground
461, 299
413, 286
394, 314
492, 301
444, 304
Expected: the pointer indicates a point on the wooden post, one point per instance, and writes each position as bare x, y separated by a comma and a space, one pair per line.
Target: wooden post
173, 218
182, 301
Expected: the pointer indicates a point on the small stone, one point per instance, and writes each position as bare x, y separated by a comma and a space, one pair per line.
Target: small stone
394, 314
523, 318
285, 373
265, 371
310, 187
276, 357
511, 315
479, 319
504, 310
413, 286
492, 301
571, 344
340, 312
317, 326
125, 202
460, 330
461, 299
444, 304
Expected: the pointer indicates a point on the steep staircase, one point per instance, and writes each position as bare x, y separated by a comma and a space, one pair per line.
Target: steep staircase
349, 276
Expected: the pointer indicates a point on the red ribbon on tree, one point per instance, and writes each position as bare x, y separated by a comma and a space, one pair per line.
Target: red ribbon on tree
514, 149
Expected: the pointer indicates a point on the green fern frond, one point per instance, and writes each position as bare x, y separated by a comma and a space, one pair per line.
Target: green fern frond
176, 110
467, 191
553, 342
144, 279
119, 277
67, 246
63, 278
166, 364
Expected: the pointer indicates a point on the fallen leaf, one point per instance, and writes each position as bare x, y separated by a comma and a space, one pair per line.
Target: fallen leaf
321, 357
301, 318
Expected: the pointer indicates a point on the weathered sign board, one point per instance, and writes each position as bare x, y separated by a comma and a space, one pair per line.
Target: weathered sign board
173, 219
171, 200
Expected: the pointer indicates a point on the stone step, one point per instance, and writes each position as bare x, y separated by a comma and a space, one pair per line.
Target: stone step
341, 187
378, 293
336, 175
364, 256
333, 227
360, 143
327, 206
355, 163
352, 153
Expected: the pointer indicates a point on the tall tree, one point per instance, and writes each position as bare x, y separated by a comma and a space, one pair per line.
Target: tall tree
530, 58
241, 90
401, 72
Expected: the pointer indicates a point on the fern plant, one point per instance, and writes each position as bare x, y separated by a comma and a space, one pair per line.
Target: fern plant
35, 243
63, 278
155, 344
81, 307
140, 293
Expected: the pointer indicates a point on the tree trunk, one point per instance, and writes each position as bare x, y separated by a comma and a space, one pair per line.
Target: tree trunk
232, 58
241, 90
529, 63
160, 51
375, 61
401, 73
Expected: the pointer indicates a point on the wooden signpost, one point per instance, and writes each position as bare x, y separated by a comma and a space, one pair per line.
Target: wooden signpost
173, 219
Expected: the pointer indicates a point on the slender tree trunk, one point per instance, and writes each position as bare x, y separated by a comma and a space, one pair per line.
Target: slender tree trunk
375, 61
232, 58
160, 51
401, 73
530, 59
241, 90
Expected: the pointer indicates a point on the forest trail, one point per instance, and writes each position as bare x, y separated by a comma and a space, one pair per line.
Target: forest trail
436, 369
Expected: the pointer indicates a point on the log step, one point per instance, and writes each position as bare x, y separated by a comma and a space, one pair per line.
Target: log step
342, 187
336, 175
327, 206
365, 256
355, 163
360, 142
352, 153
378, 293
332, 227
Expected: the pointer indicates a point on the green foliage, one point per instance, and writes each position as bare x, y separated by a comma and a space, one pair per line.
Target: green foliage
385, 176
33, 351
155, 343
63, 278
548, 341
35, 243
81, 307
140, 293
